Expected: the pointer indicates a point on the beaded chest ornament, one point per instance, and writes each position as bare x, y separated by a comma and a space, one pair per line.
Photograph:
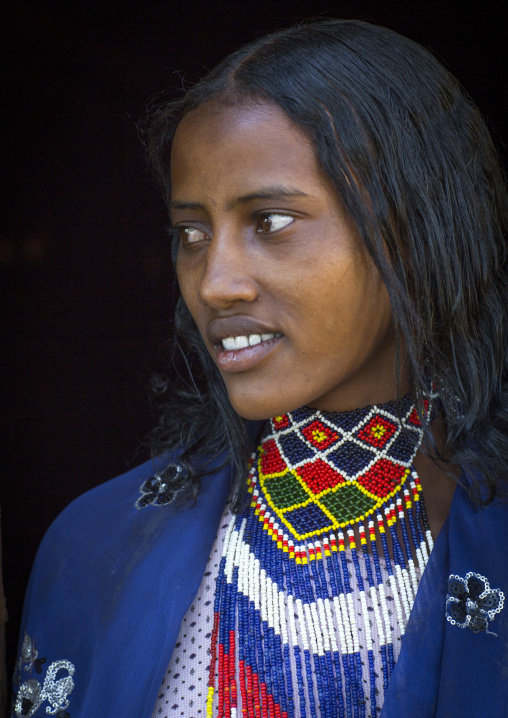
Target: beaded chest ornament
285, 640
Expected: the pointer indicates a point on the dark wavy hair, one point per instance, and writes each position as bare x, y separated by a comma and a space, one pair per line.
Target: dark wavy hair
410, 155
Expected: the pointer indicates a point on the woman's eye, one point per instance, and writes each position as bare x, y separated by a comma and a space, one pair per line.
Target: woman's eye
191, 235
273, 222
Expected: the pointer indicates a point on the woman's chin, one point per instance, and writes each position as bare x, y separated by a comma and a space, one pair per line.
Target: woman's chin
258, 406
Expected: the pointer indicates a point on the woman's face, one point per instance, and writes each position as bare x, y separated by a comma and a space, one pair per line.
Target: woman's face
272, 268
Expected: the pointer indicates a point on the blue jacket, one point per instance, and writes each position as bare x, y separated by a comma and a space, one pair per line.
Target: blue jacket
112, 582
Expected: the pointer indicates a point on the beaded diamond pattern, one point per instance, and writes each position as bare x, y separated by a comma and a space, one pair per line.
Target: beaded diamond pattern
321, 472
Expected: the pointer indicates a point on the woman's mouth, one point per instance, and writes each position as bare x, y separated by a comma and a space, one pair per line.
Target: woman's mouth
240, 353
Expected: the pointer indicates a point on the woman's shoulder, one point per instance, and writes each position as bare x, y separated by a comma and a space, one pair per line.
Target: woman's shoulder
107, 570
119, 528
97, 523
119, 513
122, 495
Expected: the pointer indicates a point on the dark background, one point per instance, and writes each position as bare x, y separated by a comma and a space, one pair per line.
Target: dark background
84, 259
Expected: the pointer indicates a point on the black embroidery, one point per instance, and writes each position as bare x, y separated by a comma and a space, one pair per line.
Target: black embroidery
38, 664
156, 491
471, 603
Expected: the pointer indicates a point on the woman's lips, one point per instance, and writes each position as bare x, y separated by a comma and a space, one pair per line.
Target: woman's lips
240, 341
242, 359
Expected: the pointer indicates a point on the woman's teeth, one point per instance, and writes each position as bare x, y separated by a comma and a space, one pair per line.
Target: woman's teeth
232, 343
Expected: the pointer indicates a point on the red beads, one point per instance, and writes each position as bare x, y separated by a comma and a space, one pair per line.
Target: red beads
382, 478
320, 435
271, 460
318, 476
378, 431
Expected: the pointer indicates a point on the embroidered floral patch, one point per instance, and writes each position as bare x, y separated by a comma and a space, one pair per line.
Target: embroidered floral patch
55, 688
155, 490
471, 602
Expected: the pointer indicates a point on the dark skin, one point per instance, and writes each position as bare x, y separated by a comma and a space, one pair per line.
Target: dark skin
438, 481
268, 250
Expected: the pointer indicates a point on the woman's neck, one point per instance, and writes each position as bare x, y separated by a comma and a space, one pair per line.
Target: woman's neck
438, 479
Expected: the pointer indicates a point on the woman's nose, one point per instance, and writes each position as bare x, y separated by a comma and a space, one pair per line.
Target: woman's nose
226, 276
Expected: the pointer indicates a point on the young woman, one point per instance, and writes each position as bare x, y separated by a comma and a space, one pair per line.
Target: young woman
338, 217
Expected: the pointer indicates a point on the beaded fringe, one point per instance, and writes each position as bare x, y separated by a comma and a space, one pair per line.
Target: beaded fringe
285, 639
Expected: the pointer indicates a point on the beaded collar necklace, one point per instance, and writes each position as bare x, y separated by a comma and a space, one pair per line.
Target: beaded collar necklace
285, 641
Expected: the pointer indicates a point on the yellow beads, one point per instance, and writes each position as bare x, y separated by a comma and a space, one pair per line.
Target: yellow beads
378, 431
209, 702
319, 436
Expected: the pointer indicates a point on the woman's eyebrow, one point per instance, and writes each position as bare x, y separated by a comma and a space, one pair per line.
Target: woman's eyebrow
271, 192
185, 205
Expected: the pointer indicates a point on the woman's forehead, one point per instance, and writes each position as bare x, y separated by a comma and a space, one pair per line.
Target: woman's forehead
241, 145
256, 124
